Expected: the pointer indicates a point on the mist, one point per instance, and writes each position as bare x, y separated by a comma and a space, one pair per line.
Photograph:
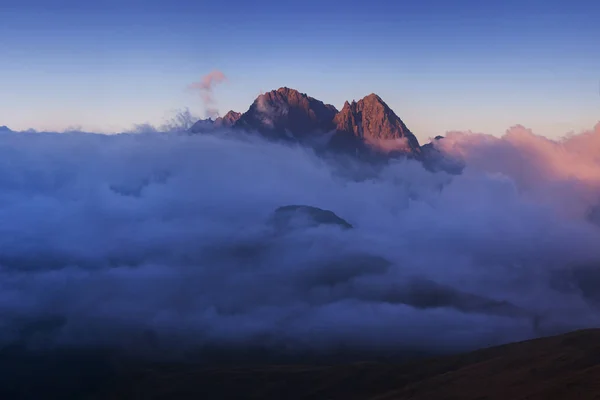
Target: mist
154, 240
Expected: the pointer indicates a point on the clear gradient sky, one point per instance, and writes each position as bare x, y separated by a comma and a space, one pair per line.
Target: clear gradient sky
440, 64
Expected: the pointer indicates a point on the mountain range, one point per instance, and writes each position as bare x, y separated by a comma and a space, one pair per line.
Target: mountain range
368, 126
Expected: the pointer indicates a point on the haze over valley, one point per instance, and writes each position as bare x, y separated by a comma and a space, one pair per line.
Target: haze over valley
166, 241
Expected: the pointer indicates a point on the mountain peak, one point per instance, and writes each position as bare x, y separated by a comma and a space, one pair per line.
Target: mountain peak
373, 100
287, 95
287, 113
5, 128
286, 90
371, 120
373, 97
228, 119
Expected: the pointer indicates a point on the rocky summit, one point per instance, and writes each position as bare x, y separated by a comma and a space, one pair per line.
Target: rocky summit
372, 122
287, 114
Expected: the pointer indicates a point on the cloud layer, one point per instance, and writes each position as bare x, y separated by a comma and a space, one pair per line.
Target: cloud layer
162, 240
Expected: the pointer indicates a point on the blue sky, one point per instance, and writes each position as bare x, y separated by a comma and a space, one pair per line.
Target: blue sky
441, 65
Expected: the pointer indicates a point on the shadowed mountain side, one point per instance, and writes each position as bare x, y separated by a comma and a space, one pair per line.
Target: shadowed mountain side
287, 114
434, 160
559, 367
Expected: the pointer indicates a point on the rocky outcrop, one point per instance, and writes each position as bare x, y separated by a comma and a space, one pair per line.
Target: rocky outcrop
372, 123
228, 120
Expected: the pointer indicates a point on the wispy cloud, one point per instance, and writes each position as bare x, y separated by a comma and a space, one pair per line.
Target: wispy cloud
205, 87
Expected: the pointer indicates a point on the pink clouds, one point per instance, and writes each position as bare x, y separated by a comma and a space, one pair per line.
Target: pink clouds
587, 143
205, 87
209, 81
565, 173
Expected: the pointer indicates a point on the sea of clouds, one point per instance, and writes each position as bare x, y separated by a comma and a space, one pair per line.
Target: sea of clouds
161, 241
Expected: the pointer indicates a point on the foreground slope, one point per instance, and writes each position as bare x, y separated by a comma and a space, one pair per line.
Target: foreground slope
559, 367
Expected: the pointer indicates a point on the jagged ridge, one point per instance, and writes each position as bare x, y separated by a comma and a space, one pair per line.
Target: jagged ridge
368, 125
